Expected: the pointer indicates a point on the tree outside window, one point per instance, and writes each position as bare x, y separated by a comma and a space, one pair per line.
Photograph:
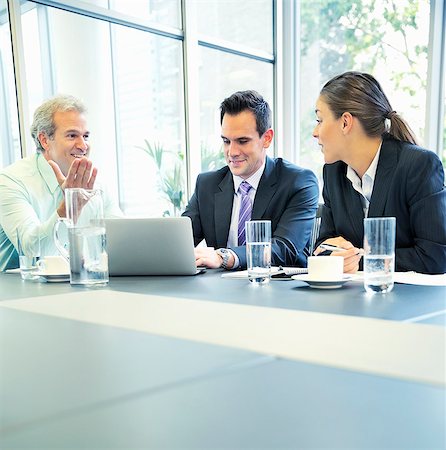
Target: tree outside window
387, 38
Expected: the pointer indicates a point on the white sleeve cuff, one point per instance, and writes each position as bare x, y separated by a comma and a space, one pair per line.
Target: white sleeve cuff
236, 260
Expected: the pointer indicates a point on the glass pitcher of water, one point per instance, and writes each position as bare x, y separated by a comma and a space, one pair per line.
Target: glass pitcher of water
86, 237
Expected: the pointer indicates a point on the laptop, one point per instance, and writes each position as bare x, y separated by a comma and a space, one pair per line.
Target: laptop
150, 246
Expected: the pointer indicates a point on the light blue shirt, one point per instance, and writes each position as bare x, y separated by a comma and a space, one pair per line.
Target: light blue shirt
29, 197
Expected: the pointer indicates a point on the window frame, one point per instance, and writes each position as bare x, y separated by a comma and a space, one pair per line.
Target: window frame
285, 60
191, 42
435, 95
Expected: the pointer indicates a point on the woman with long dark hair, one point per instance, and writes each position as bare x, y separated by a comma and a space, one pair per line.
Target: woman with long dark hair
374, 168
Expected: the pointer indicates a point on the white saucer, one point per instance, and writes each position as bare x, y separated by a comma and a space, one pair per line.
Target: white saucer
318, 284
54, 277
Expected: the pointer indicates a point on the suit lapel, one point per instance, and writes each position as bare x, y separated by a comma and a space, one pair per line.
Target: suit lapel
223, 201
383, 179
265, 190
354, 208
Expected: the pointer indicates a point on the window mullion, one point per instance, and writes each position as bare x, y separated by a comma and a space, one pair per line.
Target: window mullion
20, 75
191, 93
435, 78
289, 59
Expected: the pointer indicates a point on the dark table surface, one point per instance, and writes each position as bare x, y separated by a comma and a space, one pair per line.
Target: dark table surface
68, 384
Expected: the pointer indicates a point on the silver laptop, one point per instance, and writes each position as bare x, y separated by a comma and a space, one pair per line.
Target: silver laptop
155, 246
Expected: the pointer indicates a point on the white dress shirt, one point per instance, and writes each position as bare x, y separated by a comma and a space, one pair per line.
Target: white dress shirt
365, 184
254, 181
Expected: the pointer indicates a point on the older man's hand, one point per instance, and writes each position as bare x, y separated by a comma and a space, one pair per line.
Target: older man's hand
81, 174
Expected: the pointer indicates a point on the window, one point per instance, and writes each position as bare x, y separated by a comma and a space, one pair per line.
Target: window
76, 63
223, 74
150, 122
444, 137
131, 82
249, 23
153, 83
444, 111
228, 31
166, 12
386, 38
129, 72
9, 136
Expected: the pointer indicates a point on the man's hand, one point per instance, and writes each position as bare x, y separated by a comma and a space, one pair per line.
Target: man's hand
81, 174
208, 257
351, 255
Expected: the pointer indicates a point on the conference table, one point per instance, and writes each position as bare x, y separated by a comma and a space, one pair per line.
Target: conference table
205, 362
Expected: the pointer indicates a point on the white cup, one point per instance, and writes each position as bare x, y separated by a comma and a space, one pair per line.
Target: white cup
53, 265
325, 268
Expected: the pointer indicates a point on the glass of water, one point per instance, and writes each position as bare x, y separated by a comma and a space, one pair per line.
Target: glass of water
86, 236
29, 254
258, 250
379, 254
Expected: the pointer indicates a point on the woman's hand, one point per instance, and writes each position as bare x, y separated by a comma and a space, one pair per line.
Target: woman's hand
352, 255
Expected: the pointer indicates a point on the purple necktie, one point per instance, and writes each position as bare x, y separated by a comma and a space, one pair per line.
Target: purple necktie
245, 211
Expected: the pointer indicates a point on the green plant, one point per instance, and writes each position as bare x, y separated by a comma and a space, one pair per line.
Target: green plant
155, 152
170, 183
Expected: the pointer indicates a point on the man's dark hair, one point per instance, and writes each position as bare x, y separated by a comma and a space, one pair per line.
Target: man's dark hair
251, 101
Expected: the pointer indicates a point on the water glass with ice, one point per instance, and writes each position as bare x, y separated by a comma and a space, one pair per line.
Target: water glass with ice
86, 237
379, 254
258, 250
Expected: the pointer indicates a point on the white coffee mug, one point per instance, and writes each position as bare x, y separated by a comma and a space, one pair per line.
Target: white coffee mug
53, 265
325, 268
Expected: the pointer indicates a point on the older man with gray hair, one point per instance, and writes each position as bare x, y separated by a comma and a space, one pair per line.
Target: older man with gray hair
32, 189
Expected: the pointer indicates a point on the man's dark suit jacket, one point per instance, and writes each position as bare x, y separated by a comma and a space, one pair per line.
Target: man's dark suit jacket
287, 195
409, 185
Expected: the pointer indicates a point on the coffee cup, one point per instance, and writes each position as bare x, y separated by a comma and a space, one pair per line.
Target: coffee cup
53, 265
325, 268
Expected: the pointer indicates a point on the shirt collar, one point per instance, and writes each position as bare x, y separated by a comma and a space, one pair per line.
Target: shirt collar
364, 185
46, 172
371, 171
253, 180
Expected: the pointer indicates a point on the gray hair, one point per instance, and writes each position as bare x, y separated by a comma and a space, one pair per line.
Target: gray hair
43, 121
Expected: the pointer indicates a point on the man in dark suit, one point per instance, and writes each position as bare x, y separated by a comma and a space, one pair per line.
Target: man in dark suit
409, 185
278, 191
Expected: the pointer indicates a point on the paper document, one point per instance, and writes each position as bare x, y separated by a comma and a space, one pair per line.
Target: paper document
277, 273
420, 278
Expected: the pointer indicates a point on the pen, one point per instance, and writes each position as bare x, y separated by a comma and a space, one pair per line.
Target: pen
332, 248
